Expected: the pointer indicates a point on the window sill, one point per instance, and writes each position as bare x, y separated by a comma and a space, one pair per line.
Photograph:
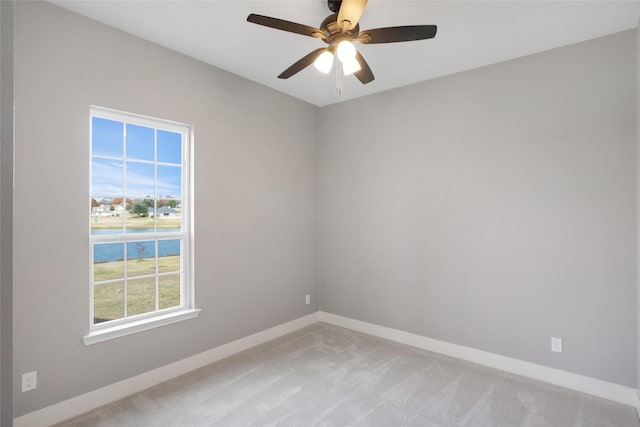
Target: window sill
106, 334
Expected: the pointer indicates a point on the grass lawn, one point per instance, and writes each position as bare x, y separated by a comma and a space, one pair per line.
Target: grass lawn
135, 267
141, 298
134, 222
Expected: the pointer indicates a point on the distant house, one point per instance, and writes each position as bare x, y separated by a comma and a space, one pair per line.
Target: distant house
107, 210
167, 211
102, 210
118, 208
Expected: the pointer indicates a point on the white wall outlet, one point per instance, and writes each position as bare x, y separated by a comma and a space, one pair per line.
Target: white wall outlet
556, 344
307, 299
29, 381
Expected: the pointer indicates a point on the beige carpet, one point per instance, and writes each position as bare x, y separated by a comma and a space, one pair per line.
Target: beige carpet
323, 375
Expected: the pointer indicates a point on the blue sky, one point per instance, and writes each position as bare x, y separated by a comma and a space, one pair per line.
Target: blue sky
107, 137
107, 174
140, 144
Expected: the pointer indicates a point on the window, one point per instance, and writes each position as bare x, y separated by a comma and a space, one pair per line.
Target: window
140, 224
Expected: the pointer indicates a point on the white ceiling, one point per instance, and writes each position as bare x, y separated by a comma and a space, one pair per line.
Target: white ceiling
470, 34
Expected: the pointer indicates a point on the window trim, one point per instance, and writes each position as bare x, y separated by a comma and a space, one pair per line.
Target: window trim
139, 325
186, 310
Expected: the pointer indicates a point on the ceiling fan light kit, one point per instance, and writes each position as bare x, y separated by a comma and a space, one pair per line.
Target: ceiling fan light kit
339, 31
346, 50
324, 62
346, 53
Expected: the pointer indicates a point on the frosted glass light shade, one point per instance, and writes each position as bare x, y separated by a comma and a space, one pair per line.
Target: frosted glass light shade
350, 66
324, 62
346, 50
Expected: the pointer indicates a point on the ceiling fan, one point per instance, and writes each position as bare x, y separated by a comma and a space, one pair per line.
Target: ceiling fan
339, 31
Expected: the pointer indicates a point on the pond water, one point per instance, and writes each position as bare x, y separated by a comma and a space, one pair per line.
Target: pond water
108, 252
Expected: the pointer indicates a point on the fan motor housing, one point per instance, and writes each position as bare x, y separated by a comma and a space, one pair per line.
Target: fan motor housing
330, 26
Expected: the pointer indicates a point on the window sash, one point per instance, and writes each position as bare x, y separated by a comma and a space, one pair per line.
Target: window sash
184, 235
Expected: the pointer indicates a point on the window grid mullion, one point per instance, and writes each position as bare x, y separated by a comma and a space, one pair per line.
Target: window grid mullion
125, 282
145, 276
149, 162
182, 261
113, 238
157, 278
155, 213
107, 282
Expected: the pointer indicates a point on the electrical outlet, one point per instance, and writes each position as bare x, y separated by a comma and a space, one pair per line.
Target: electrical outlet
307, 299
556, 344
29, 381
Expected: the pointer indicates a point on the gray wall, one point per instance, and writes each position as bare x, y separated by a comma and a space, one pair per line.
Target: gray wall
6, 212
638, 188
255, 200
493, 208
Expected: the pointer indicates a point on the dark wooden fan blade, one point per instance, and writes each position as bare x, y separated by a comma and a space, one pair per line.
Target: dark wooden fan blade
281, 24
350, 13
398, 34
365, 75
302, 63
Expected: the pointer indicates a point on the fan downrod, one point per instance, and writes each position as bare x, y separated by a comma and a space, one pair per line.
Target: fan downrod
334, 5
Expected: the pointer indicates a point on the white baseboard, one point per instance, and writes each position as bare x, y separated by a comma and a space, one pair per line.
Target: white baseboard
593, 386
102, 396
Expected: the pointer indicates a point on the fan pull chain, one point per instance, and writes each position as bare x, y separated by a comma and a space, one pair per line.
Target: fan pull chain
339, 77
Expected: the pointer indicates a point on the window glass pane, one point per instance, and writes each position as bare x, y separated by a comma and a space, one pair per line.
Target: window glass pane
169, 182
169, 147
168, 255
106, 215
140, 218
106, 177
106, 137
140, 143
108, 261
108, 302
140, 190
168, 215
141, 296
140, 183
168, 291
141, 258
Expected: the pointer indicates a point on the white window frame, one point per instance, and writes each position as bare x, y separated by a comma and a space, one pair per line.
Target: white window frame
186, 310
